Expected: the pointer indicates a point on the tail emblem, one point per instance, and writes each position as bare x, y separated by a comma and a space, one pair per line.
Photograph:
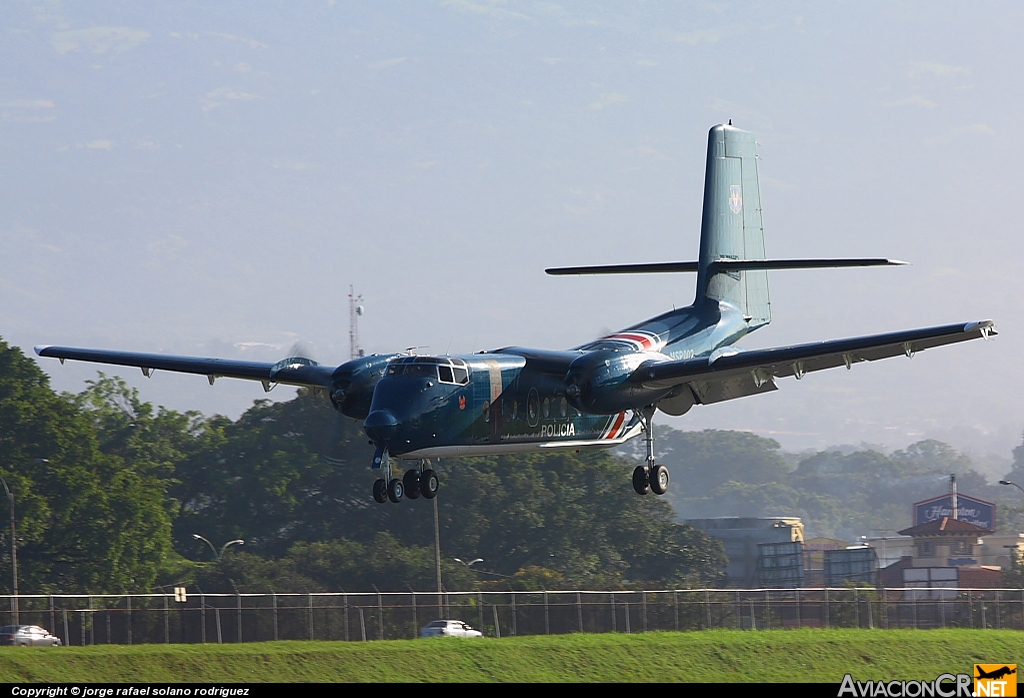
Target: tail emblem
735, 198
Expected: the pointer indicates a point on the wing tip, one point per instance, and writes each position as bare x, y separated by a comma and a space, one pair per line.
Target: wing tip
40, 348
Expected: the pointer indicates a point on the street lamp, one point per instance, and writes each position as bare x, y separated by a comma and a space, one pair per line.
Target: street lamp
14, 546
1007, 482
217, 555
468, 564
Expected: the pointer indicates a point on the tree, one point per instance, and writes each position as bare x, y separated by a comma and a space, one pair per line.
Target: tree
87, 521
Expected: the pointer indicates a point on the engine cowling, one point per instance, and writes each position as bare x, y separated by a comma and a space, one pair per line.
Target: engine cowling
352, 384
598, 382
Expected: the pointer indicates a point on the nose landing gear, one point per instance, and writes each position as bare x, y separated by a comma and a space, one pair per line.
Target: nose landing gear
417, 482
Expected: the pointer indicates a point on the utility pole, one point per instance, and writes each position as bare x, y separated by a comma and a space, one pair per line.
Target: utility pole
437, 560
354, 311
14, 553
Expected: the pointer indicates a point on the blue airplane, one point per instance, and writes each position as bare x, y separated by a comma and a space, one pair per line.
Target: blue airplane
599, 394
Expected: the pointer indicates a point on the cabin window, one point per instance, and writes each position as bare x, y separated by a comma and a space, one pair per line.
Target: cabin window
445, 372
546, 407
461, 375
563, 407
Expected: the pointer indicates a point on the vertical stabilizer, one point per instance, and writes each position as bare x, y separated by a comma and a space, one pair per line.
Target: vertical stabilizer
731, 225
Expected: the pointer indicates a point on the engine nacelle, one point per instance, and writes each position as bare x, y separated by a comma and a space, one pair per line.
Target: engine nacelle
352, 384
599, 383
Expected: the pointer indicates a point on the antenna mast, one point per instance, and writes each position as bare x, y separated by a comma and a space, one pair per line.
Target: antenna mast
354, 311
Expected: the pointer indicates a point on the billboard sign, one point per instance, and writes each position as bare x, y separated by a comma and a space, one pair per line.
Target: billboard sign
972, 510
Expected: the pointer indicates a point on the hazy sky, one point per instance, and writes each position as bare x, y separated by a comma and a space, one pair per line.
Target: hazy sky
209, 178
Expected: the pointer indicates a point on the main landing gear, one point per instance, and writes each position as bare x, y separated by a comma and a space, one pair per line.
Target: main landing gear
649, 477
417, 482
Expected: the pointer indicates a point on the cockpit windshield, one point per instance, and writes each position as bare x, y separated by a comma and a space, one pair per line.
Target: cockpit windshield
441, 369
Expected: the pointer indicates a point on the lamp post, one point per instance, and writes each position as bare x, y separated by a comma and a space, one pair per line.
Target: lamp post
468, 564
218, 555
1014, 484
16, 611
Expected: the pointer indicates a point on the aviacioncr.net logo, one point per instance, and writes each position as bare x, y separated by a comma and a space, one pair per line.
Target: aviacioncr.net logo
943, 686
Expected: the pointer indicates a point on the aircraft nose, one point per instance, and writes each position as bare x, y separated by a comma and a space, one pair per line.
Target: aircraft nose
380, 425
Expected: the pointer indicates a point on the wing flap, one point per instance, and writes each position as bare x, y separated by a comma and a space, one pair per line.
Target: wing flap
290, 372
764, 365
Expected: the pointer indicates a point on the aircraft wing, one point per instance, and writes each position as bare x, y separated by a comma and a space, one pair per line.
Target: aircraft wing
731, 372
292, 371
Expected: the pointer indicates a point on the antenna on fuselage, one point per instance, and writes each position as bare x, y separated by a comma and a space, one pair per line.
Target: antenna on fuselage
354, 311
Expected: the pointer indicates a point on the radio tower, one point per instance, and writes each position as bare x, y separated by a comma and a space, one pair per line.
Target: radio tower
354, 311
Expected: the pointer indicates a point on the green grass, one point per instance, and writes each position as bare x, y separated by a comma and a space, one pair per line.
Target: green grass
719, 655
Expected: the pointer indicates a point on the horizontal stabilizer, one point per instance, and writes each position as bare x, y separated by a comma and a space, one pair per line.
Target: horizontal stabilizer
725, 265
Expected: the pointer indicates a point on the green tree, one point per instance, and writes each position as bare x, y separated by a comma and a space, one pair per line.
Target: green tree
87, 521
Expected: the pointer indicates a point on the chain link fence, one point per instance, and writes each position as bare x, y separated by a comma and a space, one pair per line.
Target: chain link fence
220, 618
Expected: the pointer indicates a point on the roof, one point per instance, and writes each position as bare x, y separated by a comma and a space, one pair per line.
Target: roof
945, 527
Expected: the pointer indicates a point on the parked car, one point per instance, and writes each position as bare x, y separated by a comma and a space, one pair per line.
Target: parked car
449, 628
27, 636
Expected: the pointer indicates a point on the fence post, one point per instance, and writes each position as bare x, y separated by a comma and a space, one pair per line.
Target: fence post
799, 621
871, 620
856, 605
615, 628
53, 624
167, 622
362, 623
515, 614
982, 603
643, 608
579, 610
92, 624
497, 627
380, 617
970, 608
675, 608
767, 610
627, 616
885, 608
202, 617
345, 599
309, 597
129, 597
480, 609
707, 605
81, 618
67, 636
216, 613
106, 616
547, 619
415, 620
827, 609
273, 600
238, 617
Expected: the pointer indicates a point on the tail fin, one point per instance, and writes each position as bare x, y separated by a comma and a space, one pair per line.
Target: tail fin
731, 226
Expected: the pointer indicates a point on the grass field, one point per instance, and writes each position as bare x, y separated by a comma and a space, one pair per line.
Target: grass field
719, 655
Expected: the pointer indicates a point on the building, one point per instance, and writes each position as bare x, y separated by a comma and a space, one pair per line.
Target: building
946, 553
742, 536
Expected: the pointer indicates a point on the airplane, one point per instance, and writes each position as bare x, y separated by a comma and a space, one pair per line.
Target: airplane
599, 394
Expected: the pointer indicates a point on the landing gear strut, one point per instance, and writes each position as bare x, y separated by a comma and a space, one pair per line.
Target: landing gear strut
651, 476
417, 482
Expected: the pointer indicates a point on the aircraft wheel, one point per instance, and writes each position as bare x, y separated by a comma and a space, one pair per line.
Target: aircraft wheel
396, 490
380, 491
659, 479
411, 480
640, 483
429, 484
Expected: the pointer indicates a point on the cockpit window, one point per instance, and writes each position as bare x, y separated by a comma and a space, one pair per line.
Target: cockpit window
445, 369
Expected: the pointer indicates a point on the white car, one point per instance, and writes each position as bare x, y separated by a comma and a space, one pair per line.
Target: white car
449, 628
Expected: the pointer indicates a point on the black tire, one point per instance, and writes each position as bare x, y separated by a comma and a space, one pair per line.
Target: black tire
429, 484
411, 480
396, 490
659, 479
380, 491
640, 484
